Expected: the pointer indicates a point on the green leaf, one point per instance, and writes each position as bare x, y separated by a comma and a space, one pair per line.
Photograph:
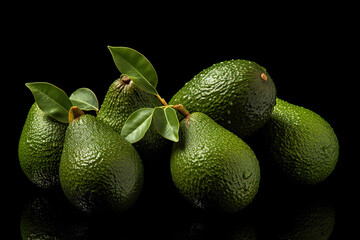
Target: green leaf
137, 124
51, 100
166, 123
85, 99
136, 66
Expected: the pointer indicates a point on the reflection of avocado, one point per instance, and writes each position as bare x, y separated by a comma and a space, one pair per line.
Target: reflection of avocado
297, 212
45, 218
51, 216
217, 227
313, 222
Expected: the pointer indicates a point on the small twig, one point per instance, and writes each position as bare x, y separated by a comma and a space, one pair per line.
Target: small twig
162, 100
75, 113
125, 80
183, 111
179, 107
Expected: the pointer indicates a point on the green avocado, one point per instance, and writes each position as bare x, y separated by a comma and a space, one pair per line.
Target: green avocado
237, 94
122, 99
301, 143
99, 170
40, 147
212, 167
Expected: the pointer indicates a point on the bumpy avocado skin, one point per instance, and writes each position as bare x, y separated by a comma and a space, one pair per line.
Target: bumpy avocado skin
301, 143
99, 171
40, 147
121, 100
212, 167
238, 94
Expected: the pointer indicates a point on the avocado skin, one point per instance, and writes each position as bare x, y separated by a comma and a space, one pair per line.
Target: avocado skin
121, 100
212, 167
40, 147
301, 143
99, 170
232, 93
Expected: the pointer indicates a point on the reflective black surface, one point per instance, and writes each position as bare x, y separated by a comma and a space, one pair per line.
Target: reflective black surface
281, 210
307, 65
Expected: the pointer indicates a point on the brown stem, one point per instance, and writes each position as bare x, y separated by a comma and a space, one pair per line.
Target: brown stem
75, 113
264, 77
125, 80
162, 100
180, 108
183, 111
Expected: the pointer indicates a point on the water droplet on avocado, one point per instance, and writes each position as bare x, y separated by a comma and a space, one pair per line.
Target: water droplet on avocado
247, 174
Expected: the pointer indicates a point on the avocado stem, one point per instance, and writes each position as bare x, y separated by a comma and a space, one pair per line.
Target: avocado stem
125, 80
182, 110
263, 76
74, 113
162, 100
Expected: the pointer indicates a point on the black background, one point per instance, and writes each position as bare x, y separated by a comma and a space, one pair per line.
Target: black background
306, 52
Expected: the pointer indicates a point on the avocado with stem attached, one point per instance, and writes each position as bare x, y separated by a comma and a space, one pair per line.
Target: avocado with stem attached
40, 147
99, 171
237, 94
301, 143
121, 100
212, 167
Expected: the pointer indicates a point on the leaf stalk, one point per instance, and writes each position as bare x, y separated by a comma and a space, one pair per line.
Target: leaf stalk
179, 107
162, 100
182, 110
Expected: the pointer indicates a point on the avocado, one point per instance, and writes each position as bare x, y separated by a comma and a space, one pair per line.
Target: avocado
237, 94
301, 143
212, 167
99, 170
40, 147
121, 100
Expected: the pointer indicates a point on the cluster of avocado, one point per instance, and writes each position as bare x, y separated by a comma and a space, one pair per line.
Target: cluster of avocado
211, 166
